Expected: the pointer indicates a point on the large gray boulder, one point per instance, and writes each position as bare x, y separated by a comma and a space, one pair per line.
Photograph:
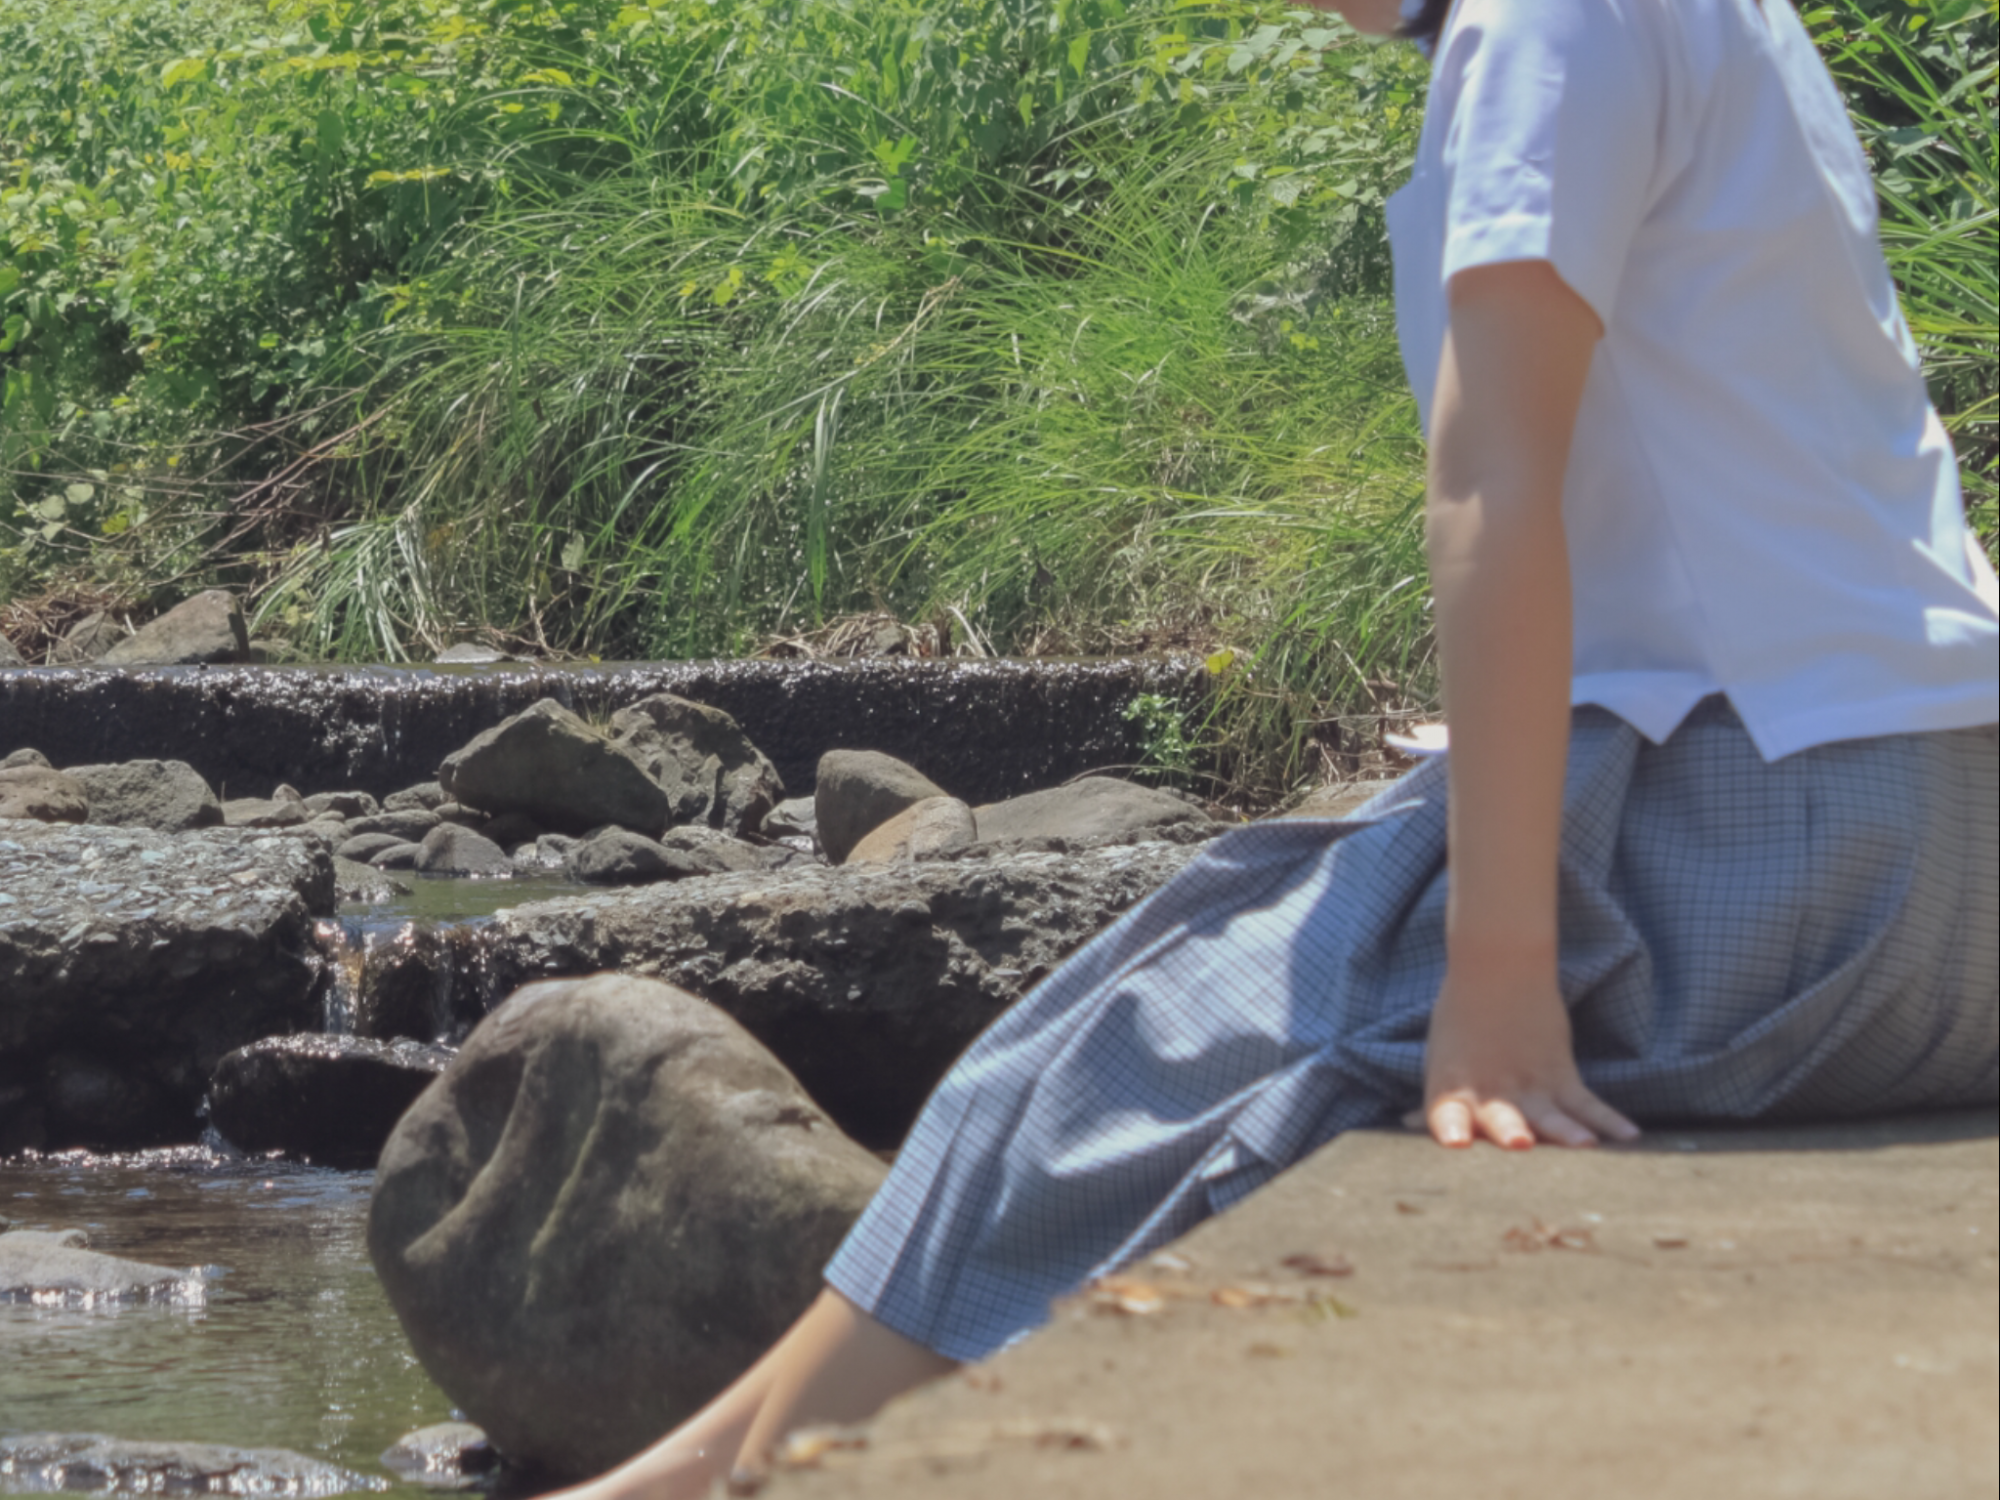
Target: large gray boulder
618, 856
858, 791
51, 1462
865, 981
1093, 808
207, 628
611, 1204
713, 775
450, 849
328, 1099
131, 961
48, 1268
168, 795
43, 796
547, 763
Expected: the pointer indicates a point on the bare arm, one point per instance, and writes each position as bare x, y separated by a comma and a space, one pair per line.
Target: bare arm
1499, 1061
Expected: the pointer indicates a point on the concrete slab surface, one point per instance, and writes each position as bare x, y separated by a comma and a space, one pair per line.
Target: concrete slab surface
1806, 1312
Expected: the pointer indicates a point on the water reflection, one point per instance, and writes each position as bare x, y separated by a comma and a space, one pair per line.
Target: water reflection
294, 1345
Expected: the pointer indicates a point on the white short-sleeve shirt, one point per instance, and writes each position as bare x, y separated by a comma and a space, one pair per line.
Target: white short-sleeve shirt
1760, 499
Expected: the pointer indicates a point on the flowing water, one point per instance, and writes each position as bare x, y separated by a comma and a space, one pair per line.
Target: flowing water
290, 1345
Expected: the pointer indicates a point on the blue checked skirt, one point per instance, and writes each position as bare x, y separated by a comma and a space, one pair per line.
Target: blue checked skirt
1740, 940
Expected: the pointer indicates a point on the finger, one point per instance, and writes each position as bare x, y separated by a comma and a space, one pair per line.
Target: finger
1555, 1124
1599, 1116
1451, 1121
1502, 1124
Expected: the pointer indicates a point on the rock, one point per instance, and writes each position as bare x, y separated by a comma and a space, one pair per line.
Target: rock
447, 1456
549, 764
603, 1213
466, 654
1337, 801
449, 849
860, 790
333, 829
362, 847
101, 1101
1096, 807
792, 819
510, 830
424, 983
32, 792
207, 628
866, 981
548, 853
148, 956
355, 881
397, 857
408, 824
423, 797
264, 812
718, 853
328, 1099
49, 1461
9, 657
713, 775
165, 794
343, 804
464, 817
87, 640
54, 1268
923, 830
25, 757
617, 856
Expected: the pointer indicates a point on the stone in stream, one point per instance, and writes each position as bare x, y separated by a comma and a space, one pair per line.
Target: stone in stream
423, 797
328, 1099
207, 628
407, 824
610, 1205
793, 818
57, 1269
618, 856
860, 790
713, 775
866, 981
928, 829
343, 804
363, 847
143, 957
511, 830
547, 763
169, 795
450, 849
397, 857
45, 1462
265, 812
470, 654
34, 793
358, 882
426, 983
445, 1456
1095, 807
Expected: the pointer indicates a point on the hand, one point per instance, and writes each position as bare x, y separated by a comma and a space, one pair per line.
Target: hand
1499, 1064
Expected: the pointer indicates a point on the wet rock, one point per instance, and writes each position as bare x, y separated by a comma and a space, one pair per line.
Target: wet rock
550, 765
924, 830
792, 818
343, 804
713, 775
612, 1204
91, 1462
423, 797
397, 857
427, 983
1097, 807
363, 847
866, 981
328, 1099
43, 796
150, 955
91, 1098
165, 794
617, 856
860, 790
9, 657
25, 757
408, 824
355, 881
717, 853
511, 830
55, 1268
449, 849
447, 1456
548, 853
207, 628
265, 812
87, 640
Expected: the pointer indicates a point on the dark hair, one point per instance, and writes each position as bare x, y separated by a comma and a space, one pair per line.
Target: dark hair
1425, 25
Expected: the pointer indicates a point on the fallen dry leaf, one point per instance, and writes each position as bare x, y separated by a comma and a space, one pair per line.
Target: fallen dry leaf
1308, 1264
1124, 1294
1408, 1208
806, 1448
1670, 1242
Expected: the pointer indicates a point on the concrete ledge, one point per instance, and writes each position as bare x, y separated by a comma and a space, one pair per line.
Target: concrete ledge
1710, 1315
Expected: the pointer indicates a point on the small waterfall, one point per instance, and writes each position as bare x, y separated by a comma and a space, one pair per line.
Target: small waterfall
346, 952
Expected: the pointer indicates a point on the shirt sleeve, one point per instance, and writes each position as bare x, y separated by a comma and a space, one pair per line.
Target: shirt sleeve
1554, 137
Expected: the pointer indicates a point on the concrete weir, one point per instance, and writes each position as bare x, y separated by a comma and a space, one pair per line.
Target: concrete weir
984, 730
